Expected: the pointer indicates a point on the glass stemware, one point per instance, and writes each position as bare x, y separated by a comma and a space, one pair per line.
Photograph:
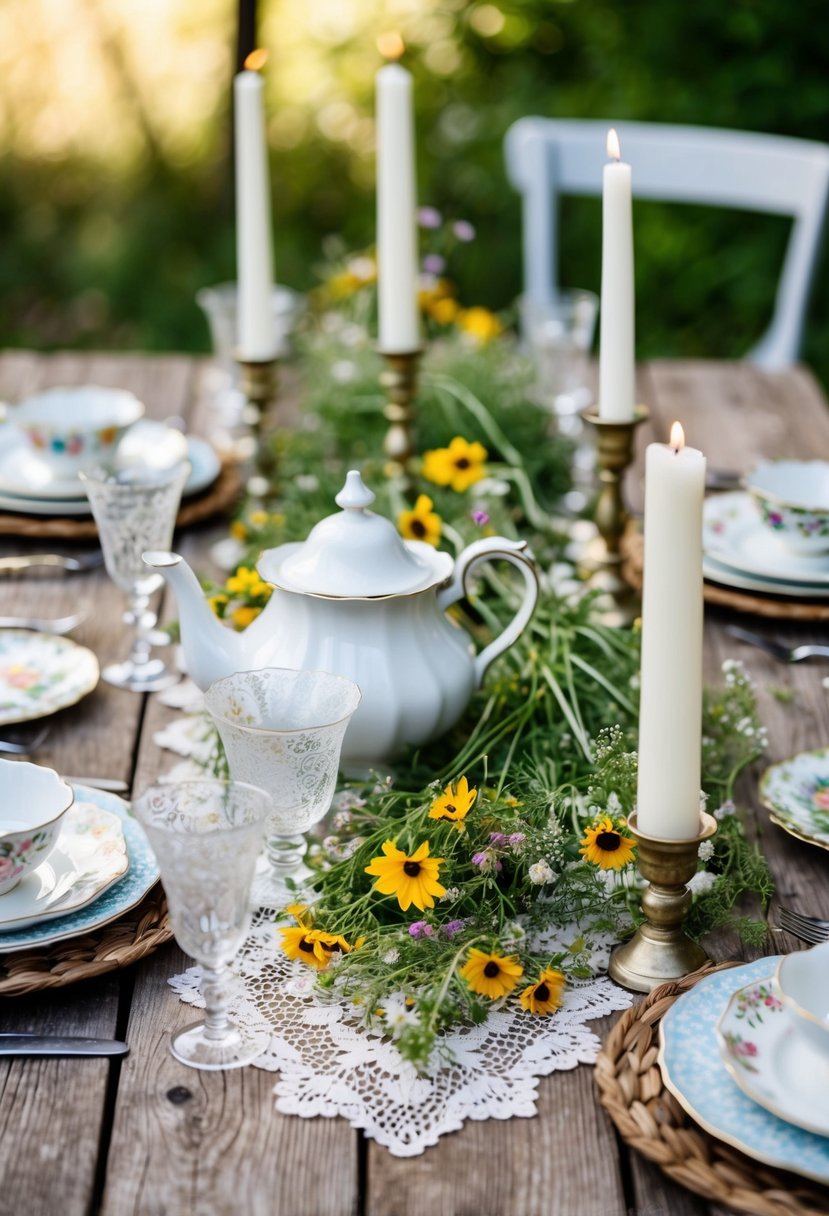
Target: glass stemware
283, 730
135, 510
206, 836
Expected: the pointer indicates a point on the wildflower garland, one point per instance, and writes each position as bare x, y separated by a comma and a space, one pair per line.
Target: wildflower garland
488, 869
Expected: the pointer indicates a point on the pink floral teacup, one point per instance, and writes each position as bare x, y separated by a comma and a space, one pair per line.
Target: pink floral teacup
803, 983
33, 801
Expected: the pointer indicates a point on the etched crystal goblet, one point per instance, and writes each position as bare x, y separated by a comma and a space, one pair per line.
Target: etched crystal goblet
206, 836
135, 510
283, 730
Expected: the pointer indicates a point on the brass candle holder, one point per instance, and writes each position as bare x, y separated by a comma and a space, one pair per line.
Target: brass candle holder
259, 380
400, 382
660, 950
614, 452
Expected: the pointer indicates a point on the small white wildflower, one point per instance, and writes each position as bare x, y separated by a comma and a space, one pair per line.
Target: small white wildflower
614, 805
744, 727
730, 665
566, 741
391, 956
702, 881
727, 808
347, 800
540, 873
513, 932
331, 844
342, 819
494, 486
449, 895
307, 482
343, 371
634, 681
706, 850
703, 800
350, 847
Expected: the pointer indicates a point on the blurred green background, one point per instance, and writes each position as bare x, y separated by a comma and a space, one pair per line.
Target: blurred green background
116, 182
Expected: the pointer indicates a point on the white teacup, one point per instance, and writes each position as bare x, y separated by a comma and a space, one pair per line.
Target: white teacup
34, 801
793, 500
803, 983
71, 429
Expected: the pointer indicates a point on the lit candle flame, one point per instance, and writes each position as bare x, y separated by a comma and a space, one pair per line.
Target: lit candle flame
613, 149
256, 60
391, 45
677, 437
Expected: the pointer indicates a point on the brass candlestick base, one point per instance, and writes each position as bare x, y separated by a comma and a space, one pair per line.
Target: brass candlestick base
400, 382
259, 383
614, 452
660, 950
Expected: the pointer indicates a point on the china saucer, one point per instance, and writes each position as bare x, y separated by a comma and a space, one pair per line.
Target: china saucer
734, 533
90, 854
693, 1072
718, 572
24, 476
41, 673
796, 792
203, 461
770, 1061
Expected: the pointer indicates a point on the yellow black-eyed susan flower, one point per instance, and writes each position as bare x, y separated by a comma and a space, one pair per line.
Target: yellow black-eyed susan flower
459, 466
606, 846
544, 996
413, 879
455, 802
491, 975
421, 523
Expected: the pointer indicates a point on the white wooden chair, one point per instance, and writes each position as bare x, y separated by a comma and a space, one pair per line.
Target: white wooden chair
547, 157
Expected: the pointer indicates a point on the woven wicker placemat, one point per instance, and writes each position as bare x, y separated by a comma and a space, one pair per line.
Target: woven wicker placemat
126, 940
651, 1120
776, 606
215, 500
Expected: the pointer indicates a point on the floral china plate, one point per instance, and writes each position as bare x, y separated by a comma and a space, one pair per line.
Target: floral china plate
120, 897
89, 856
693, 1072
41, 673
734, 533
772, 1063
796, 793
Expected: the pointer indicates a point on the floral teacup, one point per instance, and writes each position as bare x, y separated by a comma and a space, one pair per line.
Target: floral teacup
793, 499
71, 429
33, 801
803, 983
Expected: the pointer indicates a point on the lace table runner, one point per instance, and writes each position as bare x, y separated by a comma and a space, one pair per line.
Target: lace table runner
331, 1065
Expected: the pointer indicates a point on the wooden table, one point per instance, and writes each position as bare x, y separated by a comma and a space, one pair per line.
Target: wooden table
151, 1136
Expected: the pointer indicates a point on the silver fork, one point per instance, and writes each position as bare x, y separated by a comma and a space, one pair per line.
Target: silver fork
777, 649
24, 741
57, 624
807, 928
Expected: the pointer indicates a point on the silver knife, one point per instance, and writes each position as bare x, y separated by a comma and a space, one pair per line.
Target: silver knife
84, 561
59, 1045
100, 783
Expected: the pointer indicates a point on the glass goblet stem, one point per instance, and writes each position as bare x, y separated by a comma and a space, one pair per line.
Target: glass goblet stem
142, 622
217, 1024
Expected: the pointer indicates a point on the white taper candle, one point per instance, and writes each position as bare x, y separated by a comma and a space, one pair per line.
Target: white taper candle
256, 332
670, 714
617, 348
399, 323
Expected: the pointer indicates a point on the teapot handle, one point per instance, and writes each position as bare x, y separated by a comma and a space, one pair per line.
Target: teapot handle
511, 551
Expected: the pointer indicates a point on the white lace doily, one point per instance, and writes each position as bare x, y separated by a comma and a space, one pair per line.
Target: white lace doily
330, 1065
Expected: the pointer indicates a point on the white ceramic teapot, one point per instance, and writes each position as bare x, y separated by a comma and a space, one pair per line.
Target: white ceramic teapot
357, 600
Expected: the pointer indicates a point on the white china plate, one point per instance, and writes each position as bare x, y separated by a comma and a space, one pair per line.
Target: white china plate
90, 854
26, 484
734, 533
41, 673
770, 1061
693, 1072
717, 572
796, 793
123, 895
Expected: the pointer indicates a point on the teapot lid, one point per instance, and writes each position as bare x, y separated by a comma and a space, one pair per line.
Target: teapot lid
355, 554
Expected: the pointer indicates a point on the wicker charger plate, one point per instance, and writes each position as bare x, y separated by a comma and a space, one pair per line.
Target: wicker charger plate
650, 1119
775, 606
215, 500
126, 940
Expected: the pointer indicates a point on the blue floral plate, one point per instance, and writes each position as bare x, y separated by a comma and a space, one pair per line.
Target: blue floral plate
112, 903
796, 793
694, 1073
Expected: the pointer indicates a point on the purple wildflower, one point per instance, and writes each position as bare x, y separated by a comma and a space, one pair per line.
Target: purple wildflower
486, 861
480, 518
419, 928
498, 839
480, 859
429, 217
517, 838
452, 927
463, 230
433, 263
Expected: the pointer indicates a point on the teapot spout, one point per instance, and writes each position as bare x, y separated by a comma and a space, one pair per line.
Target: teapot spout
211, 651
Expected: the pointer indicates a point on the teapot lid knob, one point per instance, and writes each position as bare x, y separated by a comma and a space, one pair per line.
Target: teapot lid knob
355, 494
